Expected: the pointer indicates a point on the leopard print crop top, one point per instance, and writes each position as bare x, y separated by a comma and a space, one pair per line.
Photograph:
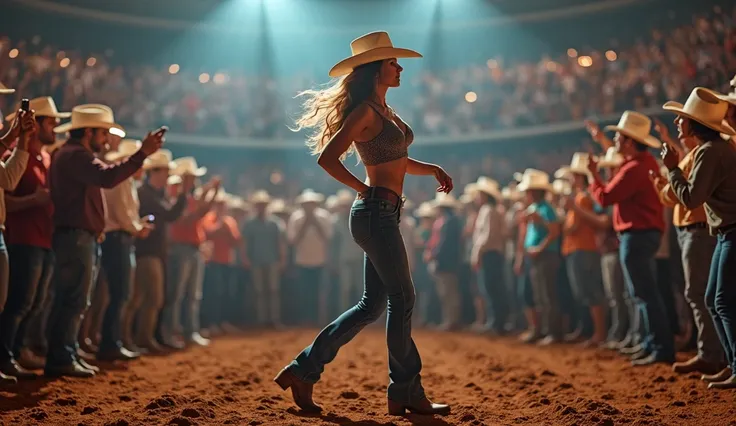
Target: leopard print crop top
388, 145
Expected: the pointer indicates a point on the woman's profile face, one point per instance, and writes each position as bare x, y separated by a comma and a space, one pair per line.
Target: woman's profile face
390, 73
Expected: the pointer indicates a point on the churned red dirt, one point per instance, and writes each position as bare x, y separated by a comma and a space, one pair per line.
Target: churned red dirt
488, 382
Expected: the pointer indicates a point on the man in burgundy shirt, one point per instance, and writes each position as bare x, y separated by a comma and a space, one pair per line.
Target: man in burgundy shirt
77, 178
639, 220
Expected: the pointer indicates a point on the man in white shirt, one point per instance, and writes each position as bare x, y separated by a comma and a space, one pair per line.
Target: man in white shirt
309, 231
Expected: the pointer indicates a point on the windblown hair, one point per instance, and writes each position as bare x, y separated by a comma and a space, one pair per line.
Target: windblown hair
325, 110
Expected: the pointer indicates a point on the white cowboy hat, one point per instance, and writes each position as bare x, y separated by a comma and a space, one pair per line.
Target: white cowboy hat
579, 164
174, 180
260, 197
127, 148
42, 107
470, 188
309, 196
534, 179
561, 187
563, 172
188, 166
465, 199
91, 116
637, 126
237, 203
704, 107
510, 194
369, 48
160, 159
518, 176
5, 91
425, 210
345, 197
331, 202
611, 158
278, 206
488, 186
445, 200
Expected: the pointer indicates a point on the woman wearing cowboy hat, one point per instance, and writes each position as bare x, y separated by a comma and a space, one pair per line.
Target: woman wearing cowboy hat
352, 116
711, 182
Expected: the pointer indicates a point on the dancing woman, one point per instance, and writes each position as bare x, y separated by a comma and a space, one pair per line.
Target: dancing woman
352, 115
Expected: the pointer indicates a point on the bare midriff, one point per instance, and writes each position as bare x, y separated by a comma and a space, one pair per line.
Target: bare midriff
388, 175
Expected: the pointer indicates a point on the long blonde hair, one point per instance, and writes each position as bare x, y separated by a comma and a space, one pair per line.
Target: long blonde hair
325, 110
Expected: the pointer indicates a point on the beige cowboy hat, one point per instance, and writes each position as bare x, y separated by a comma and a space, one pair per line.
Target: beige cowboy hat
534, 179
160, 159
5, 91
579, 164
470, 188
345, 197
114, 131
510, 194
91, 116
445, 200
563, 172
425, 210
488, 186
42, 107
278, 206
466, 199
610, 159
188, 166
309, 196
368, 48
174, 180
637, 126
561, 187
237, 203
704, 107
127, 148
331, 202
260, 197
518, 176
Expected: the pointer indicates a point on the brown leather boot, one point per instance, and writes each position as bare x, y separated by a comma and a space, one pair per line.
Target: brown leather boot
729, 383
718, 377
696, 364
422, 406
300, 390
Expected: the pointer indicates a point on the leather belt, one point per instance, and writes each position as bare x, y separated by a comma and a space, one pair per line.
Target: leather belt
381, 193
692, 226
725, 229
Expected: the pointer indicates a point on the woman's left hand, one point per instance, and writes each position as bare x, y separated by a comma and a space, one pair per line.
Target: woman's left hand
443, 179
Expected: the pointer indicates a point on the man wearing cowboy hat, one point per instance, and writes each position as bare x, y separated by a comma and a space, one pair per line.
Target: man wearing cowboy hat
152, 252
487, 253
264, 253
346, 255
77, 178
309, 230
185, 265
638, 217
711, 182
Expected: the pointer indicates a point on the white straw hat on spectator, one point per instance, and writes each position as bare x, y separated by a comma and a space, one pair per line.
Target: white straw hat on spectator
534, 179
518, 176
188, 166
237, 203
470, 188
425, 210
368, 48
309, 196
579, 164
91, 116
611, 158
331, 202
510, 194
173, 180
637, 126
489, 186
704, 107
127, 148
5, 91
260, 197
278, 206
344, 197
561, 187
42, 107
445, 200
160, 159
466, 199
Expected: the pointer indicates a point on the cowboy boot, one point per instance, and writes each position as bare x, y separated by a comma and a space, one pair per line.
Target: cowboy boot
729, 383
423, 406
718, 377
301, 391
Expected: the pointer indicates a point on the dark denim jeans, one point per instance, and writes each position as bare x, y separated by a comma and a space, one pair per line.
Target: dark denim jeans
492, 287
77, 253
637, 251
184, 277
374, 225
30, 275
720, 296
218, 295
118, 263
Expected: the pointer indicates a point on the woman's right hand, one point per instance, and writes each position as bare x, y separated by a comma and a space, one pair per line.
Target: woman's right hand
443, 179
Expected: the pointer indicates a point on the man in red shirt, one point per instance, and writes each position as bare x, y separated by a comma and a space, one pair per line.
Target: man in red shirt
639, 220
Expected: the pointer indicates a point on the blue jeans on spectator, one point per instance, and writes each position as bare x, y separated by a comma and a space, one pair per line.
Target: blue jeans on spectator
77, 252
30, 273
185, 273
637, 251
4, 272
493, 289
720, 296
374, 225
118, 262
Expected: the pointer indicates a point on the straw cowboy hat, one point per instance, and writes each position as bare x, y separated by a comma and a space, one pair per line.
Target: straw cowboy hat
510, 194
260, 197
425, 210
579, 164
331, 202
518, 176
5, 91
309, 196
160, 159
611, 158
368, 48
445, 200
188, 166
465, 199
42, 107
488, 186
92, 117
173, 180
237, 203
470, 188
637, 126
704, 107
278, 206
563, 172
534, 179
127, 148
561, 187
345, 197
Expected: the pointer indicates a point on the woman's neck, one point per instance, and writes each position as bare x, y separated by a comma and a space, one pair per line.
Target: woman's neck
379, 96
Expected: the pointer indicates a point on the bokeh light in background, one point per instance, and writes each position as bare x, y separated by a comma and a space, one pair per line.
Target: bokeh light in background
471, 97
585, 61
13, 53
611, 55
91, 62
204, 78
173, 69
64, 62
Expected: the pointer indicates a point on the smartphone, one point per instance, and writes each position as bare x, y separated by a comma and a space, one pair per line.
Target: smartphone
150, 218
25, 105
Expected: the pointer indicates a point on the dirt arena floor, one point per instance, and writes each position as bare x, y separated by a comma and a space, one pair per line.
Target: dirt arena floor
488, 382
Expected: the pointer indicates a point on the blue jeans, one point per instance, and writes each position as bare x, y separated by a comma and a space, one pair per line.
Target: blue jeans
184, 277
118, 262
30, 274
720, 296
637, 251
4, 272
493, 289
77, 252
374, 225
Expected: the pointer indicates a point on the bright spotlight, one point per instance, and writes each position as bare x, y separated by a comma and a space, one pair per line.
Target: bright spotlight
471, 97
204, 78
